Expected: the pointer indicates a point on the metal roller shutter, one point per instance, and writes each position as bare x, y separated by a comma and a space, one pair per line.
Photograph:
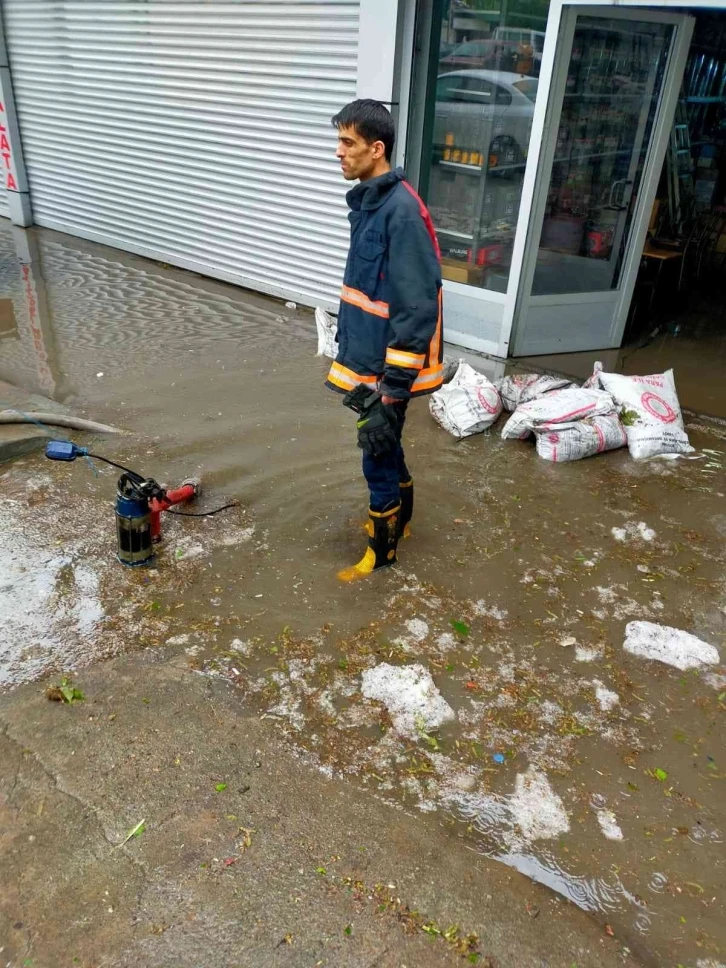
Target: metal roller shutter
193, 132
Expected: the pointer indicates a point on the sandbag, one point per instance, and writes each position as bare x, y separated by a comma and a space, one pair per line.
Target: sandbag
582, 438
327, 329
559, 407
650, 412
520, 388
467, 405
593, 381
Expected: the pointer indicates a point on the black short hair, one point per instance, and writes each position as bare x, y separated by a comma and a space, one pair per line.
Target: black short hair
371, 119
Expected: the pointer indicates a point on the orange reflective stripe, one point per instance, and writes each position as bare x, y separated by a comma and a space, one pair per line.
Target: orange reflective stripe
413, 361
436, 341
357, 298
431, 377
347, 379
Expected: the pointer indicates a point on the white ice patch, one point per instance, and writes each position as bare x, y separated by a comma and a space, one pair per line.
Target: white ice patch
709, 963
609, 824
186, 547
532, 812
606, 698
242, 648
50, 606
445, 642
536, 809
671, 646
179, 640
550, 712
490, 611
584, 654
633, 532
410, 696
235, 536
418, 629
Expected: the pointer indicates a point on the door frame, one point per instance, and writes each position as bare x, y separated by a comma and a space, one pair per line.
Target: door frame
612, 304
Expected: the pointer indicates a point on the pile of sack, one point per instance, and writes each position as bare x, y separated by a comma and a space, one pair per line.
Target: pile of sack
568, 422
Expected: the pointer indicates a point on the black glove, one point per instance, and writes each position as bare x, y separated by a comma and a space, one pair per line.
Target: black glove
377, 424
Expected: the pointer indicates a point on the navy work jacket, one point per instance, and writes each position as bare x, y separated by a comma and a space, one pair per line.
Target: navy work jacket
390, 322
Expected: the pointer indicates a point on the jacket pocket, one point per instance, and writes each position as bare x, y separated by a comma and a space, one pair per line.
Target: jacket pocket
368, 263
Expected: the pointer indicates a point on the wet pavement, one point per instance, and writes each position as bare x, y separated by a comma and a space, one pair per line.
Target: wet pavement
529, 728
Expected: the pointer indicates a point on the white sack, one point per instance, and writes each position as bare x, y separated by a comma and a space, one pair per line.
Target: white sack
559, 407
650, 412
522, 387
593, 381
451, 365
467, 405
583, 438
327, 329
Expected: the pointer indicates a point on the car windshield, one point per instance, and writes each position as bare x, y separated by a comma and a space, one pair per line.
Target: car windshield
475, 48
528, 87
539, 43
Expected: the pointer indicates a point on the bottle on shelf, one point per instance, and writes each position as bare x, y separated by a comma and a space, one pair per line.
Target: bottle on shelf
448, 146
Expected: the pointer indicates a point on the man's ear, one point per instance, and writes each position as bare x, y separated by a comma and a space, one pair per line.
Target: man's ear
379, 149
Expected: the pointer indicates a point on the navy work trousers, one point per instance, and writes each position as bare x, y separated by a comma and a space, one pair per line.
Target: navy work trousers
386, 473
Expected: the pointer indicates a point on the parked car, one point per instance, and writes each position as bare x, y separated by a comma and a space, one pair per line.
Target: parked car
486, 111
490, 53
508, 49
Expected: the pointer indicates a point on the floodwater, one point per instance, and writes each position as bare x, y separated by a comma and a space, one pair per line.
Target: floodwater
520, 716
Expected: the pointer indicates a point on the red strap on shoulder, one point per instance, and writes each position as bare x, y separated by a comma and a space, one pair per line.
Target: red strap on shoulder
427, 219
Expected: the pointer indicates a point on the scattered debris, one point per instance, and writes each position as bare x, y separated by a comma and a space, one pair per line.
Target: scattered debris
674, 647
658, 774
65, 692
136, 831
246, 842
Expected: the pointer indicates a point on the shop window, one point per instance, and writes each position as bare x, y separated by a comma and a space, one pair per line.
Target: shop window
473, 160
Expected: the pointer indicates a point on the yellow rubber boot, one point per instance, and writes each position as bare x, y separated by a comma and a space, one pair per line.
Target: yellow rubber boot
404, 527
382, 543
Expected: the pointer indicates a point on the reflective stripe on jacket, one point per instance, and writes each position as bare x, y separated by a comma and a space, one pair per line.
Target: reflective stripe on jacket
390, 327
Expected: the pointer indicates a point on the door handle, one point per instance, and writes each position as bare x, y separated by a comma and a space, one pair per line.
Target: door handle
615, 202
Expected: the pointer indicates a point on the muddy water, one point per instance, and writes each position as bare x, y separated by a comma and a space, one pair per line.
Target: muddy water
595, 771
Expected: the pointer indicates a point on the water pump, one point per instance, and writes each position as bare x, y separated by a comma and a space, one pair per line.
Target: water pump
139, 503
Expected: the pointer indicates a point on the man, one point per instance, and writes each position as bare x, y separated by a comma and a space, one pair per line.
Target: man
389, 326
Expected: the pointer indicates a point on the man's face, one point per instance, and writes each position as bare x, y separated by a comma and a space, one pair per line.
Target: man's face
358, 158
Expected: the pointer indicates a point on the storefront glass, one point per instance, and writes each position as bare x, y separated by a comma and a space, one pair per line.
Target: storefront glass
613, 86
486, 86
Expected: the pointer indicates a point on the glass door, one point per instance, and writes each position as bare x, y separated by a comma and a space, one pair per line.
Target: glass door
611, 104
473, 96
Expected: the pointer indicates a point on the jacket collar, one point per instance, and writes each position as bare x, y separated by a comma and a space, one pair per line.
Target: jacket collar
371, 194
